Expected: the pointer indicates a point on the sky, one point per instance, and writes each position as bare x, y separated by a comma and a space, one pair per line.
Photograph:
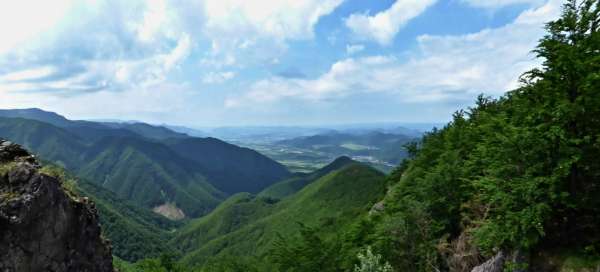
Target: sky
265, 62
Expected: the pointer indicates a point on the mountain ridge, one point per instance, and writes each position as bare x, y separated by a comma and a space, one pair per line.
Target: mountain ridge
145, 169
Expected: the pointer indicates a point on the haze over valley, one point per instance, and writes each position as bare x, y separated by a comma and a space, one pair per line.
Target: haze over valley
300, 136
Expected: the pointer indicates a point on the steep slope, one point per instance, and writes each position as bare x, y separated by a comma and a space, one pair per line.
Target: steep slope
295, 183
43, 227
332, 201
37, 114
91, 149
149, 174
51, 142
512, 180
135, 168
230, 168
135, 232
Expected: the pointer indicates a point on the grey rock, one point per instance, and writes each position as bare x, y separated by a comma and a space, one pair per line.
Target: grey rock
43, 227
495, 264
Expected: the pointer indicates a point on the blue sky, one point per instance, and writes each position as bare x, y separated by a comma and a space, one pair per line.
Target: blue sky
265, 62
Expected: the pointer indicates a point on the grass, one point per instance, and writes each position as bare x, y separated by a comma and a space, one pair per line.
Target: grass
6, 167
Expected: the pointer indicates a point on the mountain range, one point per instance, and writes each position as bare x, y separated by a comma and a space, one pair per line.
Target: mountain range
150, 165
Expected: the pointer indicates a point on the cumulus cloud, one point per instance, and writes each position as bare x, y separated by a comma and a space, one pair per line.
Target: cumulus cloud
93, 46
493, 4
30, 21
446, 67
258, 31
383, 26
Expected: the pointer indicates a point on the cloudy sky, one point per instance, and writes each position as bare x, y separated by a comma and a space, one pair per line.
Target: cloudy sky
265, 62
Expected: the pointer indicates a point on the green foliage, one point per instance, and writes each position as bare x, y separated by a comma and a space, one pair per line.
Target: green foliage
166, 262
232, 264
309, 252
369, 262
329, 204
6, 167
229, 168
518, 172
139, 163
136, 233
295, 183
68, 182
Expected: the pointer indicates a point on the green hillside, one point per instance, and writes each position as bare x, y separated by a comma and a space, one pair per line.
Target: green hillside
328, 203
184, 176
136, 169
230, 168
511, 180
135, 233
295, 183
52, 143
514, 176
149, 174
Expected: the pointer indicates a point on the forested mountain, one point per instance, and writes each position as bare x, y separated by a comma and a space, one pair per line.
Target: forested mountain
94, 130
150, 174
298, 181
248, 226
180, 174
514, 176
508, 185
230, 168
135, 232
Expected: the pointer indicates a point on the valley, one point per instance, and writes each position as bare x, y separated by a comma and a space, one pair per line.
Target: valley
380, 154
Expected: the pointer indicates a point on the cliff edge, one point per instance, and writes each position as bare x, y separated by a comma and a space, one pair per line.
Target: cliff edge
44, 227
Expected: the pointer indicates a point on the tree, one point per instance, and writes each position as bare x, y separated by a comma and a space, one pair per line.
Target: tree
308, 252
369, 262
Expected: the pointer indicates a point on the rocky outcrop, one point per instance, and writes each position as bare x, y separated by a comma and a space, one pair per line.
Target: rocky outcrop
498, 263
495, 264
43, 227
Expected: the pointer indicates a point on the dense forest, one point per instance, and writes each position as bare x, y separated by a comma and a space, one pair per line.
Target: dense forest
515, 175
511, 182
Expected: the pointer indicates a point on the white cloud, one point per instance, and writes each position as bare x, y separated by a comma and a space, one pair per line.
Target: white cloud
258, 31
493, 4
22, 20
27, 74
218, 77
99, 45
284, 19
352, 49
383, 26
445, 67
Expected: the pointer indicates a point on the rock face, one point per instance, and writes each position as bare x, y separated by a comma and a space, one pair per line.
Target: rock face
42, 226
499, 261
495, 264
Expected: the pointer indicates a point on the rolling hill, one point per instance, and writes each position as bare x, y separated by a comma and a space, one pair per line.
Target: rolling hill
247, 225
295, 183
